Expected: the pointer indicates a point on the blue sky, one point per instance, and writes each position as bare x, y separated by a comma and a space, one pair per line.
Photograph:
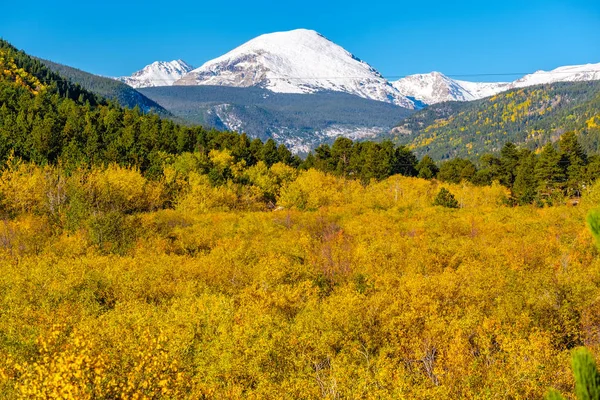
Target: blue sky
396, 37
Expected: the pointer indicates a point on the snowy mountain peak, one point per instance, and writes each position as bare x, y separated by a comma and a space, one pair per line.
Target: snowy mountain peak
431, 88
298, 61
159, 73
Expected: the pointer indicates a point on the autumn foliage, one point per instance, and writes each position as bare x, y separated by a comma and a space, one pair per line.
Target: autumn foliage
295, 284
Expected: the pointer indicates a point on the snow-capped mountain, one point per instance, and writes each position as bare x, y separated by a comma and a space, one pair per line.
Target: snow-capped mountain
298, 61
435, 87
159, 73
432, 88
570, 73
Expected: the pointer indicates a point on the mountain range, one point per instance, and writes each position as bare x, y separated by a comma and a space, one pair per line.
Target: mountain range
108, 88
435, 87
303, 90
300, 61
301, 122
303, 61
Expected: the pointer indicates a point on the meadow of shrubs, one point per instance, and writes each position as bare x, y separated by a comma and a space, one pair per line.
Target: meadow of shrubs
295, 284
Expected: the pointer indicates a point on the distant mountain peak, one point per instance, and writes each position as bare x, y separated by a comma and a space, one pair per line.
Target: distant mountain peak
432, 88
297, 61
159, 73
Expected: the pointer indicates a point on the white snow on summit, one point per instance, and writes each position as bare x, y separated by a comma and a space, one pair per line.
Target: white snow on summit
298, 61
159, 73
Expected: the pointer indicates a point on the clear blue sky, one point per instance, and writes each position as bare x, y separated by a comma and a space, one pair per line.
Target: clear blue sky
113, 38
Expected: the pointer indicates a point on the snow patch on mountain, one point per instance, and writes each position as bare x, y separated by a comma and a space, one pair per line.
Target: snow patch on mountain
159, 73
298, 61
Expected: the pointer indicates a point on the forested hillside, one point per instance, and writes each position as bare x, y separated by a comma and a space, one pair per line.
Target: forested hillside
300, 121
529, 117
108, 88
47, 119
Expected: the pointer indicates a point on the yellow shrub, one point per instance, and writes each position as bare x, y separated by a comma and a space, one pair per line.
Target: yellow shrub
313, 189
201, 196
75, 367
124, 189
23, 188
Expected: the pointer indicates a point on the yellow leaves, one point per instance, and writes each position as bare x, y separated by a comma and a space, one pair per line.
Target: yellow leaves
203, 197
124, 188
19, 76
593, 122
314, 189
373, 293
75, 368
22, 186
221, 158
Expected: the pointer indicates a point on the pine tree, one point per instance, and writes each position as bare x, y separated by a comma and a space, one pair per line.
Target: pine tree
573, 160
341, 152
269, 153
509, 160
426, 168
524, 190
587, 378
404, 162
284, 155
548, 171
323, 160
445, 199
457, 170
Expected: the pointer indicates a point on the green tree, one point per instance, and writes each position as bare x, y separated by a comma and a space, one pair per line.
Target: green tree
593, 223
573, 160
548, 171
587, 378
509, 160
341, 152
445, 199
524, 190
426, 168
457, 170
404, 162
269, 153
